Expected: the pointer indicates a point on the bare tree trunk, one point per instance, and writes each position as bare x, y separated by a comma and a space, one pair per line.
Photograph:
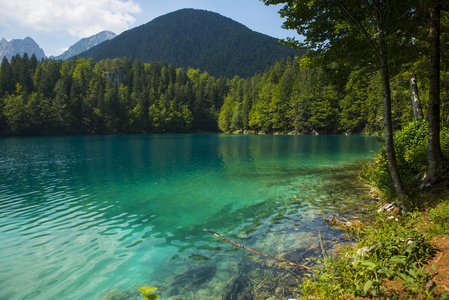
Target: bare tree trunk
434, 154
388, 124
416, 104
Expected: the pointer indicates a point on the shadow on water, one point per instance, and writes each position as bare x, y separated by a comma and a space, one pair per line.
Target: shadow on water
206, 267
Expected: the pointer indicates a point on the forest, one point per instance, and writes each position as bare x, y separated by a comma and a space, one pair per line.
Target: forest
199, 39
376, 68
119, 96
110, 97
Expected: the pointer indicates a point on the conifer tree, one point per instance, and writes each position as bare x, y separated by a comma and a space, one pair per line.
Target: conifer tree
7, 83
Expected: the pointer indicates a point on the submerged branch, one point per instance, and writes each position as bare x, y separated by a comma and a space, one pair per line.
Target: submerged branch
246, 248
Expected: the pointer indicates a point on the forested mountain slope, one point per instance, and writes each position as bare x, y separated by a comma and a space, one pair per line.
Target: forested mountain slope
199, 39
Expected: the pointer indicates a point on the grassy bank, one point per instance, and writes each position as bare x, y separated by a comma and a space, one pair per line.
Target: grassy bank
397, 256
402, 249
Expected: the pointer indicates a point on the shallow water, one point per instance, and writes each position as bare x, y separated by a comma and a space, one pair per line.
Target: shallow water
83, 216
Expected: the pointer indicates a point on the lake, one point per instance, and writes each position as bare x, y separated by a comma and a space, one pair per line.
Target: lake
96, 217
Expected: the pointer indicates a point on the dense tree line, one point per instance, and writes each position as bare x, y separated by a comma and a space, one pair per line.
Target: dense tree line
298, 97
112, 96
116, 96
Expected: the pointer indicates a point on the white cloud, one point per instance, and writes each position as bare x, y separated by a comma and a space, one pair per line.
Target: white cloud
80, 18
62, 50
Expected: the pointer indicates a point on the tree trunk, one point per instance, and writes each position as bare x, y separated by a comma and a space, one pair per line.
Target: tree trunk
388, 124
442, 113
434, 154
416, 104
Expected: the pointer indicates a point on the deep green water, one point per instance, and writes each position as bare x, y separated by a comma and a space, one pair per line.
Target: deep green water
82, 216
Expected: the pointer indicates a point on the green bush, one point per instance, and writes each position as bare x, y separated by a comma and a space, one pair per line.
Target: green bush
390, 250
439, 219
377, 173
444, 138
411, 155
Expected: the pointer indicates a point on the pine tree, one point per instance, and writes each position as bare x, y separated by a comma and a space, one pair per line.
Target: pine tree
7, 83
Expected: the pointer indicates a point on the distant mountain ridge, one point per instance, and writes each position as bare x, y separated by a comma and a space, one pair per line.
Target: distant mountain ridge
86, 43
29, 46
199, 39
20, 46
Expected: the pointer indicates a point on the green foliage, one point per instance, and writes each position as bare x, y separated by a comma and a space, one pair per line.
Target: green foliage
146, 291
444, 138
377, 173
411, 154
390, 250
361, 108
15, 112
439, 219
121, 96
411, 147
112, 96
199, 39
6, 78
287, 97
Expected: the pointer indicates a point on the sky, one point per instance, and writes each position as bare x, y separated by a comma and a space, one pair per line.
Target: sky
57, 24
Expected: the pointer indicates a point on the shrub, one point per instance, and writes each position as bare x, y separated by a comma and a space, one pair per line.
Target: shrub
411, 155
391, 250
439, 219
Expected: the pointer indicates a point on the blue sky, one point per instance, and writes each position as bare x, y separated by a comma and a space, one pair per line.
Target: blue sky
55, 25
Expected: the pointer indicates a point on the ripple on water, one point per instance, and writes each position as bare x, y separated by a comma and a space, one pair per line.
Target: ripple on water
81, 216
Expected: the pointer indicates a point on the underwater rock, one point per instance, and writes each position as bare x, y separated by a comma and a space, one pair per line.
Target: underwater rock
292, 281
120, 295
302, 256
264, 295
198, 257
238, 289
191, 279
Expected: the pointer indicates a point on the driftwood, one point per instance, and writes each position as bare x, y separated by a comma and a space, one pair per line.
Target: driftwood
266, 255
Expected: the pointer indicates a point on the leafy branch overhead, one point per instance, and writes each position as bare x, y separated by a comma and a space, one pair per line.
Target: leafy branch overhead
375, 34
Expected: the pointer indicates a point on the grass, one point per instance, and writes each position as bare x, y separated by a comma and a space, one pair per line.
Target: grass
390, 259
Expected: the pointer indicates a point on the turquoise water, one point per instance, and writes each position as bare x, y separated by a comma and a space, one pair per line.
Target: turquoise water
84, 216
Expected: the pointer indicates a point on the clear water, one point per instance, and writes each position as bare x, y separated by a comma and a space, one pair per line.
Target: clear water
83, 216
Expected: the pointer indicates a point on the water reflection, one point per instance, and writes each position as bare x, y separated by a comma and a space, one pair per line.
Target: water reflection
80, 216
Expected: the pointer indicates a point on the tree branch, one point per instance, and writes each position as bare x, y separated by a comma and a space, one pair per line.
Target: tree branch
359, 25
246, 248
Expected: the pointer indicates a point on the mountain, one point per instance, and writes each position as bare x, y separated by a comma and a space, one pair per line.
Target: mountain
86, 43
199, 39
17, 46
